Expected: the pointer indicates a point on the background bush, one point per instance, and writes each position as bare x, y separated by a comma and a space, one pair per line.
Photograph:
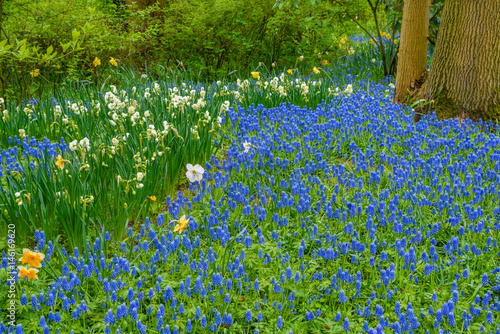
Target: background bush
208, 38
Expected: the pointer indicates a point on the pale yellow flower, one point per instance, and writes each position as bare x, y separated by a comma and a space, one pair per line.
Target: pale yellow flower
315, 70
182, 224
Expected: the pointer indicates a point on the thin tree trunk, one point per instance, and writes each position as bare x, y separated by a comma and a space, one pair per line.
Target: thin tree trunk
412, 55
464, 79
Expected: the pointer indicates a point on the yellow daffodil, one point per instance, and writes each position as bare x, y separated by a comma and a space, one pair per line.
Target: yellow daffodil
324, 62
182, 223
60, 162
255, 75
152, 198
113, 62
34, 259
35, 73
315, 70
289, 71
30, 273
96, 62
388, 36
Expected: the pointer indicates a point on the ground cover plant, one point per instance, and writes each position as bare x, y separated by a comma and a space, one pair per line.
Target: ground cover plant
329, 210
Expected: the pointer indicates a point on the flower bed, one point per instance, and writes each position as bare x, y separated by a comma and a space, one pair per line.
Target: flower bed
345, 217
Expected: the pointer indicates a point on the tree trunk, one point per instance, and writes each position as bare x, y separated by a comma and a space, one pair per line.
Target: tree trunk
412, 55
464, 78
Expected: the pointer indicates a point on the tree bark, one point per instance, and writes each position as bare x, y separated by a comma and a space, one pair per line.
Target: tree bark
464, 78
412, 55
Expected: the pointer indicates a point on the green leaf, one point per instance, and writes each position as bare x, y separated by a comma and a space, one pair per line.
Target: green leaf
65, 46
75, 33
78, 47
4, 47
22, 46
49, 50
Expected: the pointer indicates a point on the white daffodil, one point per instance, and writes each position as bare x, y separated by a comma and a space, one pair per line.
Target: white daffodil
246, 146
349, 89
85, 144
194, 173
73, 145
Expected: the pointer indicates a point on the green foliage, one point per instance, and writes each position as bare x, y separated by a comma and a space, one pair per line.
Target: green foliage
206, 38
434, 21
45, 40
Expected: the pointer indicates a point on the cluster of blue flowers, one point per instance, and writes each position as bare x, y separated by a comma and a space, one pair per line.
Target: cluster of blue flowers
347, 217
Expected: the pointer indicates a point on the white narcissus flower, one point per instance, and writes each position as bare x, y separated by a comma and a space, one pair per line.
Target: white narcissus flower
140, 176
85, 144
349, 89
194, 173
73, 145
246, 146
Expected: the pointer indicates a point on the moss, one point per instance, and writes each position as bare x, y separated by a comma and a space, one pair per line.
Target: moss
447, 108
493, 112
